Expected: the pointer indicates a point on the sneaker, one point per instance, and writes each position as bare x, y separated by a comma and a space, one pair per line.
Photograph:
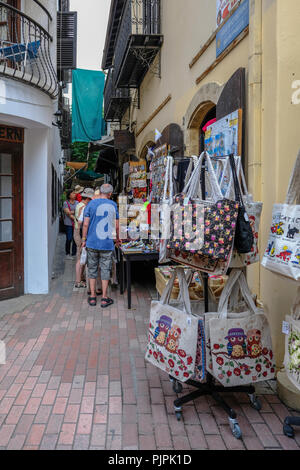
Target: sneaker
69, 257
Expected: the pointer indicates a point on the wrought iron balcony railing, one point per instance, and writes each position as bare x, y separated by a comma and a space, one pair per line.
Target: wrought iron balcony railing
116, 100
25, 50
138, 42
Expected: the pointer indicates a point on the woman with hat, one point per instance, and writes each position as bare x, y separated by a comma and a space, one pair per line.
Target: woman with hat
78, 190
86, 196
69, 207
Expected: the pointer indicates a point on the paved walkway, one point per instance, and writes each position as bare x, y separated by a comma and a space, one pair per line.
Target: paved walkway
76, 378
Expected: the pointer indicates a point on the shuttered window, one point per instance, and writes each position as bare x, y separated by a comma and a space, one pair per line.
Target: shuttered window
66, 40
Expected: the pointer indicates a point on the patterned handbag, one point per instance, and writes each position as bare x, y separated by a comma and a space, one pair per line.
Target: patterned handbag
211, 223
238, 345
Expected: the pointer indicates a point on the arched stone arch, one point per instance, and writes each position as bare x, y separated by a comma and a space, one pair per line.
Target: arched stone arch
203, 101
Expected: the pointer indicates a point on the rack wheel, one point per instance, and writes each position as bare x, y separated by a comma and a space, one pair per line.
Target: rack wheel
236, 431
255, 402
288, 430
235, 428
178, 412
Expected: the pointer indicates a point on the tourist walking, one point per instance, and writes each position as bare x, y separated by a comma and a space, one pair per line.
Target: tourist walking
86, 197
100, 230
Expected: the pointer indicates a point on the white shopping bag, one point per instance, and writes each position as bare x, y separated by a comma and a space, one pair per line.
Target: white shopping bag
282, 254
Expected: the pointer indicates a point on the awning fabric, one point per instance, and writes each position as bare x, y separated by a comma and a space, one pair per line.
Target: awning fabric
87, 104
88, 175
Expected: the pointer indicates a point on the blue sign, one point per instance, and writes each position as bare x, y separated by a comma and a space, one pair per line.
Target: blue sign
233, 27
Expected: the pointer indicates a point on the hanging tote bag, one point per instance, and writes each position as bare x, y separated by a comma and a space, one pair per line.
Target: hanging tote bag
172, 337
165, 213
253, 209
243, 241
282, 254
213, 221
240, 344
292, 344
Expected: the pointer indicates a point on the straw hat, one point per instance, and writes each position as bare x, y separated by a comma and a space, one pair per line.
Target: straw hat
78, 189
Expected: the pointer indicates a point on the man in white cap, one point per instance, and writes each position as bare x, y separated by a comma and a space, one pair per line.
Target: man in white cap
100, 229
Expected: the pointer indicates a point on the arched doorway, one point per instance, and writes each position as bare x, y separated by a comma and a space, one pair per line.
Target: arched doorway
201, 109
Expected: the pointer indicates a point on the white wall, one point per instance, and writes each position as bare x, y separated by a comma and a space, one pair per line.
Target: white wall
25, 106
36, 215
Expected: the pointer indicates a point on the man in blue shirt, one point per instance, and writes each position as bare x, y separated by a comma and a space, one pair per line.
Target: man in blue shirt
100, 229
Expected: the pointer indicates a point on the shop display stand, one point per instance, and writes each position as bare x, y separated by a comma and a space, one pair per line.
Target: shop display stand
210, 387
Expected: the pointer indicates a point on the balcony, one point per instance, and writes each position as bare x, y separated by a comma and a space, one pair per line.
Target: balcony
138, 43
116, 100
25, 51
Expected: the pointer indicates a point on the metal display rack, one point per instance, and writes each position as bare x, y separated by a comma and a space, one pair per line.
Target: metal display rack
210, 387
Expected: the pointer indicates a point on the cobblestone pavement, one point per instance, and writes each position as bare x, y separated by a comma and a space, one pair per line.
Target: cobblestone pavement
75, 378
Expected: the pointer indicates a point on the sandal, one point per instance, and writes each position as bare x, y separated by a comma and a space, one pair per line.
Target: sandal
78, 285
106, 302
92, 301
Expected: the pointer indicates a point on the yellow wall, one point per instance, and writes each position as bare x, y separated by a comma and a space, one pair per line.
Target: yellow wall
270, 55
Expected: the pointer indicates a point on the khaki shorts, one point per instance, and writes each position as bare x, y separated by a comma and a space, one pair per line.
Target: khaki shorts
96, 258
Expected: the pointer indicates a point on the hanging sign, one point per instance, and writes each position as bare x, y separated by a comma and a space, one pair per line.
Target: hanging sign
225, 136
14, 135
233, 27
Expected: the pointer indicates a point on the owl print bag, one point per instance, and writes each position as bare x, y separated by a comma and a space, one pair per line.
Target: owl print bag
173, 332
282, 254
239, 346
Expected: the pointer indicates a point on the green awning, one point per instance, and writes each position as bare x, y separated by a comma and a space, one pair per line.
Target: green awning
87, 105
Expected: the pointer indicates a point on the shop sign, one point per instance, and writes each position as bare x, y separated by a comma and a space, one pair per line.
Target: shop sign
224, 7
225, 136
124, 140
11, 134
233, 27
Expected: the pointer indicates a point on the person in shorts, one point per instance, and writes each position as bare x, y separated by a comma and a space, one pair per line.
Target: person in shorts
100, 229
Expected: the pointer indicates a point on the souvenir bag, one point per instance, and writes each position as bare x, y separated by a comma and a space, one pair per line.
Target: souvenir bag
166, 211
254, 210
209, 223
244, 238
292, 344
239, 344
282, 254
172, 336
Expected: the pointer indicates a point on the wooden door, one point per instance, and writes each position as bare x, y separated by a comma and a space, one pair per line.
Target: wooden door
11, 221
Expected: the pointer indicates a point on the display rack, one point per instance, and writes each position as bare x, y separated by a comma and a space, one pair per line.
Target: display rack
210, 387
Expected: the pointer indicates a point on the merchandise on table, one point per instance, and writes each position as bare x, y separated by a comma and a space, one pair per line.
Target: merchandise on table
164, 273
138, 246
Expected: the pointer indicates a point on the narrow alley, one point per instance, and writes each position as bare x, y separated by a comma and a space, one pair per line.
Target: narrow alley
76, 378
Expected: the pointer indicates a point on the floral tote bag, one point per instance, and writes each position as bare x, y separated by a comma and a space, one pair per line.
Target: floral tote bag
239, 345
173, 331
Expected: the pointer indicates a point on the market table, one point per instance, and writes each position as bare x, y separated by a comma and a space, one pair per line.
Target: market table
129, 257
